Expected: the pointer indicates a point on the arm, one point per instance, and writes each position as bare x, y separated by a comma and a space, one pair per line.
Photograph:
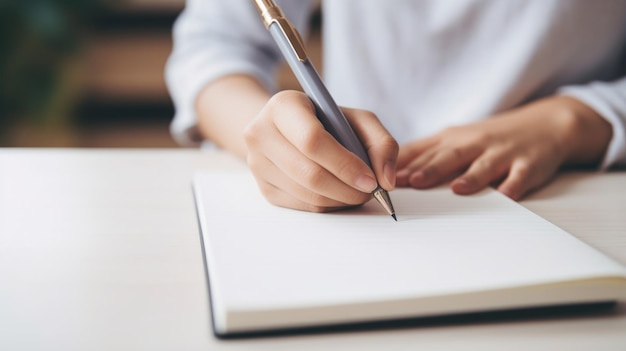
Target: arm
216, 38
296, 163
222, 117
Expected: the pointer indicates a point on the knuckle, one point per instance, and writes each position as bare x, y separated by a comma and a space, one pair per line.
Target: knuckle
523, 169
484, 164
346, 170
485, 136
354, 115
365, 113
285, 98
457, 153
250, 134
430, 172
310, 140
312, 176
389, 143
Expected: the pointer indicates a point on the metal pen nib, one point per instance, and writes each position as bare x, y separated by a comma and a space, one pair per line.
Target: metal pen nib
382, 196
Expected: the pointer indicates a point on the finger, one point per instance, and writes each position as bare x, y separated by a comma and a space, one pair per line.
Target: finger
381, 147
329, 196
281, 190
410, 151
523, 178
265, 140
305, 132
445, 164
482, 172
419, 160
312, 179
281, 198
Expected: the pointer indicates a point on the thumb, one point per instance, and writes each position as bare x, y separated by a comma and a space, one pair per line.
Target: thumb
381, 147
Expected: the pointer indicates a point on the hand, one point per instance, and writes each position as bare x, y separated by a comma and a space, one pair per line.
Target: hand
517, 151
299, 165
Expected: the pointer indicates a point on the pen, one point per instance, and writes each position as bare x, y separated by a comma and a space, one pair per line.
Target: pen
292, 48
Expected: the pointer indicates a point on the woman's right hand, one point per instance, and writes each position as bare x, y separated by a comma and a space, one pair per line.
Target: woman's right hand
298, 164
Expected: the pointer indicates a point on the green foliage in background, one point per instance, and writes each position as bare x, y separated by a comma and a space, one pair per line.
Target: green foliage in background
38, 40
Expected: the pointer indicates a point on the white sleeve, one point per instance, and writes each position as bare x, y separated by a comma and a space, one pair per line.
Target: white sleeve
609, 100
213, 38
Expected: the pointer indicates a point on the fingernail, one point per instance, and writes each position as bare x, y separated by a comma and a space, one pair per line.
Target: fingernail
389, 171
366, 184
462, 185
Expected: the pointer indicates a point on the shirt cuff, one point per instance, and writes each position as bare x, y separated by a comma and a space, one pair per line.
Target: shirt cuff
191, 78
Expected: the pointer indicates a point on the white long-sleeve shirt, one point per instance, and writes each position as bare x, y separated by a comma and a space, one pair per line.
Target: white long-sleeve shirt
420, 65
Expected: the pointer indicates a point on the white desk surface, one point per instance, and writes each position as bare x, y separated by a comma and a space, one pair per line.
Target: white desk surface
100, 250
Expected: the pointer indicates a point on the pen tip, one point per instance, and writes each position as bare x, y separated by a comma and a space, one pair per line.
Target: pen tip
394, 217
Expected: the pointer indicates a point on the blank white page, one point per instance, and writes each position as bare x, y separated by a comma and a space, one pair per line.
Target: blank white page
262, 257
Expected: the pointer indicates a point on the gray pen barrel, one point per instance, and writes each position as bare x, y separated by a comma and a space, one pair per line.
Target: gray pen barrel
327, 110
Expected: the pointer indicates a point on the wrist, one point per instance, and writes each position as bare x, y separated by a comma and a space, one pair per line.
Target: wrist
222, 117
587, 133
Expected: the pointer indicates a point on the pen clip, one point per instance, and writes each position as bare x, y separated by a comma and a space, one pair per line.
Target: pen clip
272, 14
293, 37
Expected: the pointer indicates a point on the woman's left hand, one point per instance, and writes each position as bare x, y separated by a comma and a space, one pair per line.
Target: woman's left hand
517, 151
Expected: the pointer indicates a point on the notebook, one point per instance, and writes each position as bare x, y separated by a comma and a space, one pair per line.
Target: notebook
271, 269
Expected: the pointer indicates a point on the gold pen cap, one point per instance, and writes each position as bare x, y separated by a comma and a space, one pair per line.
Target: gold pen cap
269, 11
271, 14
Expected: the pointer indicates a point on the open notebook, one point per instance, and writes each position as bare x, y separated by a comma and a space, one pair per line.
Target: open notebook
271, 268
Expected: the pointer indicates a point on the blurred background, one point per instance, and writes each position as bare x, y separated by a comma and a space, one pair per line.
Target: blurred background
89, 73
85, 73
